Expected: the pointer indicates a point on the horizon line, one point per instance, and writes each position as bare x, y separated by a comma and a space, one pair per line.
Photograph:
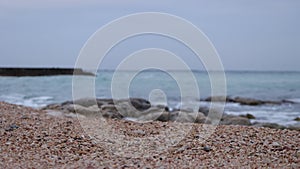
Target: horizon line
108, 69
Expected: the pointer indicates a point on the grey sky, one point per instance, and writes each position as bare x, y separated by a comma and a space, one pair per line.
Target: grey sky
248, 35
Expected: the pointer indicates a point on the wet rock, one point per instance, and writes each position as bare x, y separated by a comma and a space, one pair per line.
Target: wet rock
126, 109
269, 125
294, 127
287, 101
86, 111
213, 114
248, 116
247, 101
184, 116
140, 104
53, 107
110, 111
204, 110
234, 120
201, 118
219, 99
87, 102
155, 113
254, 102
297, 119
164, 117
241, 100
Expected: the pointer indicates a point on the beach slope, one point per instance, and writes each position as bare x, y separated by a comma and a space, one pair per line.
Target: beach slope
31, 138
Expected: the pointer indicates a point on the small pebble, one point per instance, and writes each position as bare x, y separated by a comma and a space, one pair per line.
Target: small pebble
24, 117
206, 148
11, 127
275, 144
139, 132
297, 154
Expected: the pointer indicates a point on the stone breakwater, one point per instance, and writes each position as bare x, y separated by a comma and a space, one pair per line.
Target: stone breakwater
42, 72
137, 109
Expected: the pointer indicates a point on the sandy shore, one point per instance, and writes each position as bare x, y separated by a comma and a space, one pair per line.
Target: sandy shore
33, 139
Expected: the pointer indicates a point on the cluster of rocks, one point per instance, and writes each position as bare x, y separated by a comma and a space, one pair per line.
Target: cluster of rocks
132, 109
244, 101
137, 109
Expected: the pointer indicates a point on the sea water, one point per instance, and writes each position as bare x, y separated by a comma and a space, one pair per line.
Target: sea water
40, 91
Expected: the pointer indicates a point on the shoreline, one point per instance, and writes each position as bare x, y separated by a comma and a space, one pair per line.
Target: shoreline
138, 109
32, 138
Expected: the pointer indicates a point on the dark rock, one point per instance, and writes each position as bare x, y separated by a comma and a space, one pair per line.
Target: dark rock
297, 119
241, 100
269, 125
201, 118
164, 117
248, 101
168, 109
140, 104
254, 102
287, 101
204, 110
219, 99
110, 111
87, 102
248, 116
214, 113
101, 102
206, 148
234, 120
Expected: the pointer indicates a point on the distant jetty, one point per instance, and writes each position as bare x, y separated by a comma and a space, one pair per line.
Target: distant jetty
43, 72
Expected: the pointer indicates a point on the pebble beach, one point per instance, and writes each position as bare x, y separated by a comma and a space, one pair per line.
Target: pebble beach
31, 138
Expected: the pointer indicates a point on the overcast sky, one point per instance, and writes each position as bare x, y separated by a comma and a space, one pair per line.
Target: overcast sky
248, 34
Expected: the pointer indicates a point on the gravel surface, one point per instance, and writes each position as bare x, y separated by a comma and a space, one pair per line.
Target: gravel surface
33, 139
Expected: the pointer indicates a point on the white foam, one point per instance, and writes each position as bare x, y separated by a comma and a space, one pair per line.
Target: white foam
296, 100
282, 118
20, 99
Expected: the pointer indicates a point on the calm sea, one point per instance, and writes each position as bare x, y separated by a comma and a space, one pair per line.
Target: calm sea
40, 91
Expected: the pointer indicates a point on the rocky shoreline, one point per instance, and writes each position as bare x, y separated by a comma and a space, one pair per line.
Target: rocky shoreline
245, 101
31, 138
137, 109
